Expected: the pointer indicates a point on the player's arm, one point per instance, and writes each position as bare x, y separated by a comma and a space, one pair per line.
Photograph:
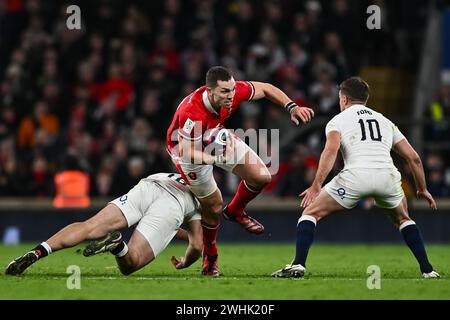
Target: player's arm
326, 162
274, 94
195, 247
192, 151
407, 152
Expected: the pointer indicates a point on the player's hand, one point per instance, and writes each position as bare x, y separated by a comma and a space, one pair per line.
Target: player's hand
427, 196
178, 264
229, 150
309, 195
301, 113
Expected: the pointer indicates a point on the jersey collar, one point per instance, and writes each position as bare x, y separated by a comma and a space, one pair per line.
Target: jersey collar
357, 105
207, 103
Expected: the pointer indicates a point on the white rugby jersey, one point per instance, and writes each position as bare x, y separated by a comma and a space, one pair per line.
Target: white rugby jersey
174, 184
367, 137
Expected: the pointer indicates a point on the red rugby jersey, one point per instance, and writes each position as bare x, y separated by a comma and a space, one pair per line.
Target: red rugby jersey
195, 114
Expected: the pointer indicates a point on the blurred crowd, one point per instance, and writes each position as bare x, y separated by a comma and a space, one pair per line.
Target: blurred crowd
100, 99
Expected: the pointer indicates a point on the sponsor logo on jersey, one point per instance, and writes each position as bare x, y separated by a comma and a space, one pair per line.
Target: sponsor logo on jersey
341, 192
188, 126
123, 199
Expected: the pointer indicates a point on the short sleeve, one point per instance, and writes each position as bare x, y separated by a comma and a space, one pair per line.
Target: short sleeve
195, 216
332, 126
397, 135
245, 91
191, 127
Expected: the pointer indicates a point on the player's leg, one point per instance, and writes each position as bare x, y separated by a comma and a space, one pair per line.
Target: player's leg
201, 182
139, 254
412, 236
255, 176
323, 206
157, 225
152, 234
211, 209
108, 219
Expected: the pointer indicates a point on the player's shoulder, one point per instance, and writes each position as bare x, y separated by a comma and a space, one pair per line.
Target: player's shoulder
381, 116
192, 107
246, 88
158, 176
243, 83
334, 124
337, 118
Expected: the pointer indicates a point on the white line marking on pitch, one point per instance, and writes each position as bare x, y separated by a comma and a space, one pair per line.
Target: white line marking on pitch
238, 279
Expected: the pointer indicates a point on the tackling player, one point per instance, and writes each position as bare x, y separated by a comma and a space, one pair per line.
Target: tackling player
158, 204
365, 138
206, 108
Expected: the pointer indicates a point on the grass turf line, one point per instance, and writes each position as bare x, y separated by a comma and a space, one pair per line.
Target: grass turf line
333, 272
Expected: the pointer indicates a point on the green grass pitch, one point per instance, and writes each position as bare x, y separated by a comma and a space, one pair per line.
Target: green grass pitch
336, 271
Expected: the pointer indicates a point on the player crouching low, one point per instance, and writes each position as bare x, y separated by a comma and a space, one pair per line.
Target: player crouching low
159, 204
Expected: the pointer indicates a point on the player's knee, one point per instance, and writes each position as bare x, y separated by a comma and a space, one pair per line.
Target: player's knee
126, 271
217, 208
213, 207
266, 179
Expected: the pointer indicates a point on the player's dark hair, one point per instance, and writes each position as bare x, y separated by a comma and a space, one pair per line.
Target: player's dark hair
215, 74
355, 89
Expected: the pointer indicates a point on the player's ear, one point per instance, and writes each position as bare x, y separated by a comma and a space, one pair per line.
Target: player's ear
345, 99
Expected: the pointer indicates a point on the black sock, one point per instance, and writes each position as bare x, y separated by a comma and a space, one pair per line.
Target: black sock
119, 248
41, 250
305, 238
413, 239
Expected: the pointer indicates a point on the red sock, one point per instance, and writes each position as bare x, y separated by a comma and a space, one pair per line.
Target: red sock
209, 238
243, 196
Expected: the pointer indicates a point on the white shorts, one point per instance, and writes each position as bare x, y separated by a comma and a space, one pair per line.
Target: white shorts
200, 176
158, 214
350, 185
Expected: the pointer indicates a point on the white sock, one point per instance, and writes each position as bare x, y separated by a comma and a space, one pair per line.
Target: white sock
47, 247
123, 252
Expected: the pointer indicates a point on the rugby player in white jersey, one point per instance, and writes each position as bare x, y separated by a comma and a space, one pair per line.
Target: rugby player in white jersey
365, 138
158, 204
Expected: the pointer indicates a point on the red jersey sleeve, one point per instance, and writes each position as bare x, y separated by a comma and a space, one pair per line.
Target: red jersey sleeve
190, 126
245, 91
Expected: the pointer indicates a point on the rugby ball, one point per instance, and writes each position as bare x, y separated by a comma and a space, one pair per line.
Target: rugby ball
216, 139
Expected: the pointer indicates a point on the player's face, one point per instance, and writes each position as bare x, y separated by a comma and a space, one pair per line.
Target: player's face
222, 95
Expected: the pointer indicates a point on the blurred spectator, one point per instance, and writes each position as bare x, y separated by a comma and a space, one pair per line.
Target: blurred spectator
435, 168
39, 129
439, 112
105, 94
324, 96
299, 174
42, 177
134, 171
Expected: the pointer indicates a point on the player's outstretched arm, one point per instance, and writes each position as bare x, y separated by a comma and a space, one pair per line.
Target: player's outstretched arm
407, 152
326, 162
274, 94
195, 247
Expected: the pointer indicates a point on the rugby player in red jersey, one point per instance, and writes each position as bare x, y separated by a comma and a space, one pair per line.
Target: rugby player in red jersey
207, 108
